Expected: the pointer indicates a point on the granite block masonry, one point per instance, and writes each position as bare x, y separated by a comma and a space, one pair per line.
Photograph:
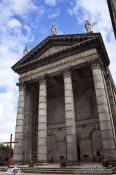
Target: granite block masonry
66, 103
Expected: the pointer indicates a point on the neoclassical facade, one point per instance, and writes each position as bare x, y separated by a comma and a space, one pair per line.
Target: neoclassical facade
67, 101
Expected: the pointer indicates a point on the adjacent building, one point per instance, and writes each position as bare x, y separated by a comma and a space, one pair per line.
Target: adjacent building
112, 10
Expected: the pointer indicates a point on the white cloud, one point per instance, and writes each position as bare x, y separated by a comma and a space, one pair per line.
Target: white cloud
50, 2
97, 13
41, 10
54, 15
13, 7
14, 35
14, 23
7, 114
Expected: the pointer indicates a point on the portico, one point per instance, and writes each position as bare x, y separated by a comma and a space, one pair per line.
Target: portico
64, 108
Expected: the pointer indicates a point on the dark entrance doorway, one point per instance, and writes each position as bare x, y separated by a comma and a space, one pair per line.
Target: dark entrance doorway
78, 150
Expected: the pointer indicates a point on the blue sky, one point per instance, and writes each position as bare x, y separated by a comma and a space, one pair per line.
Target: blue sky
26, 23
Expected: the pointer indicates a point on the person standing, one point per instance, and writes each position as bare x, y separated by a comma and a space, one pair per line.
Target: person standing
98, 155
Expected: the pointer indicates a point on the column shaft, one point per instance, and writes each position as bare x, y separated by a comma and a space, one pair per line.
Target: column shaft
107, 133
27, 129
42, 123
112, 101
19, 125
70, 119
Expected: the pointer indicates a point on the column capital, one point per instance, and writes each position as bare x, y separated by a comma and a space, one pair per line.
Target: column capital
67, 72
42, 80
21, 85
96, 64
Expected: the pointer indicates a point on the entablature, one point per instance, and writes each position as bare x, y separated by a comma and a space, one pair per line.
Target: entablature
66, 45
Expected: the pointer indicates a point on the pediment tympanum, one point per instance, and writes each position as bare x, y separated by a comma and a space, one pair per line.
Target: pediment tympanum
58, 46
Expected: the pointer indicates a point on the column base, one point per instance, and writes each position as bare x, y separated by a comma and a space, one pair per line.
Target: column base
42, 162
110, 154
72, 162
17, 157
19, 162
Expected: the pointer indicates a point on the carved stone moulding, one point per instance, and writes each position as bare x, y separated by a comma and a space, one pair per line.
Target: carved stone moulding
67, 72
96, 64
21, 85
64, 61
42, 79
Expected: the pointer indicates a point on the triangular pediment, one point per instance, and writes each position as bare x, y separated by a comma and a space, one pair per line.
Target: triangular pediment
52, 50
52, 46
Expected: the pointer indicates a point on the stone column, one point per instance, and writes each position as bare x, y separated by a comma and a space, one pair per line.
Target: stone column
70, 119
42, 122
19, 124
112, 100
27, 129
107, 133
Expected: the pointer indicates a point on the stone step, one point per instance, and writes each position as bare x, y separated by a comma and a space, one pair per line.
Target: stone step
47, 168
113, 163
90, 172
68, 170
49, 172
54, 169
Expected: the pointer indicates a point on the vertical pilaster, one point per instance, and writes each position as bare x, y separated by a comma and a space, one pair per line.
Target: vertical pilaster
107, 133
19, 124
70, 119
42, 122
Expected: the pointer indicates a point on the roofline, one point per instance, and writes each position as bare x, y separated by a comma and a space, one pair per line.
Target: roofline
50, 38
101, 50
64, 49
96, 37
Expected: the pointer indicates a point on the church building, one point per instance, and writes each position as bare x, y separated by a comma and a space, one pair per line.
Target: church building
67, 100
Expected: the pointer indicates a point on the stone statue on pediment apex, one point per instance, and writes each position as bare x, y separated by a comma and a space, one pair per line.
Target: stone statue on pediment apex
88, 26
53, 30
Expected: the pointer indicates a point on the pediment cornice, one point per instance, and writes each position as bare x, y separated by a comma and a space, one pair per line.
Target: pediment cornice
64, 45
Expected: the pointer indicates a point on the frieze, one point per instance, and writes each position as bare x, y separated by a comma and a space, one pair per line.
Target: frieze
60, 62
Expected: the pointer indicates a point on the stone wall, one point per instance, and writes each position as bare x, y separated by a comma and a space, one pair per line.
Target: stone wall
89, 139
87, 123
30, 124
35, 98
56, 113
56, 144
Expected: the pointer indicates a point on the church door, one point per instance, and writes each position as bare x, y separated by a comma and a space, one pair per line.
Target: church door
78, 150
51, 143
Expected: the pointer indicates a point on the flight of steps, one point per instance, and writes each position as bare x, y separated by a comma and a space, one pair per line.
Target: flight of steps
78, 170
